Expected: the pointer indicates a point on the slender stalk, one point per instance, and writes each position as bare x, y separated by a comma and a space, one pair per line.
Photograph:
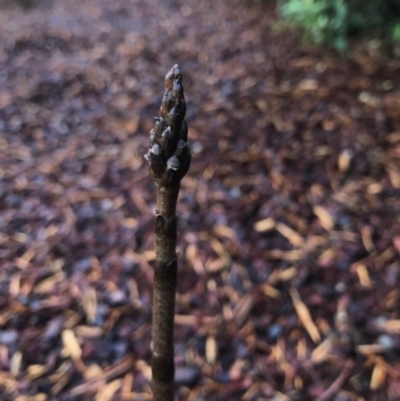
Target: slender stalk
169, 160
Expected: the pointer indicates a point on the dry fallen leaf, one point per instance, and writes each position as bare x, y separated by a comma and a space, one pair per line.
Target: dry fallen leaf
293, 237
324, 217
211, 350
378, 374
36, 397
363, 275
392, 326
106, 393
369, 99
264, 225
71, 345
295, 254
89, 303
305, 316
322, 352
16, 361
192, 255
92, 371
35, 371
308, 85
270, 291
344, 160
394, 176
366, 236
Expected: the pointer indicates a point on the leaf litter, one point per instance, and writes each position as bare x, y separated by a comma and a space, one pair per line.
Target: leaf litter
289, 218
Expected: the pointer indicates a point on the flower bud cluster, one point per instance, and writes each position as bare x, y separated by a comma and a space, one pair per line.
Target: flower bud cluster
169, 155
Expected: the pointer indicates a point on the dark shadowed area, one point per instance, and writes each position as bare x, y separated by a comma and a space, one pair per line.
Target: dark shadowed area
289, 218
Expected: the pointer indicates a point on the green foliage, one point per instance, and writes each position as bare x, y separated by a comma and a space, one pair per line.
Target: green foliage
396, 32
334, 22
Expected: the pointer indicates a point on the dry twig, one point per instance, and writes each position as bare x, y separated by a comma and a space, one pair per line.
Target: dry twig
169, 160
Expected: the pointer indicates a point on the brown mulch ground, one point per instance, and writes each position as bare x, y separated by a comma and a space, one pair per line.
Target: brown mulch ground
289, 217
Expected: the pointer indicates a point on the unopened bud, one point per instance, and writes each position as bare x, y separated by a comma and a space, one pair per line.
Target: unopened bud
159, 127
156, 149
180, 144
173, 163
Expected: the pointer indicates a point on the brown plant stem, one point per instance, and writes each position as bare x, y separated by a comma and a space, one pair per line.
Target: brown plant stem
169, 160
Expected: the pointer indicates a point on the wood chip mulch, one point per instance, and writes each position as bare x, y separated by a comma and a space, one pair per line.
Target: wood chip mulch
289, 233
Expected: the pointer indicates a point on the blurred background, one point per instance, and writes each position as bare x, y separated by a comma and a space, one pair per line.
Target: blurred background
289, 218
